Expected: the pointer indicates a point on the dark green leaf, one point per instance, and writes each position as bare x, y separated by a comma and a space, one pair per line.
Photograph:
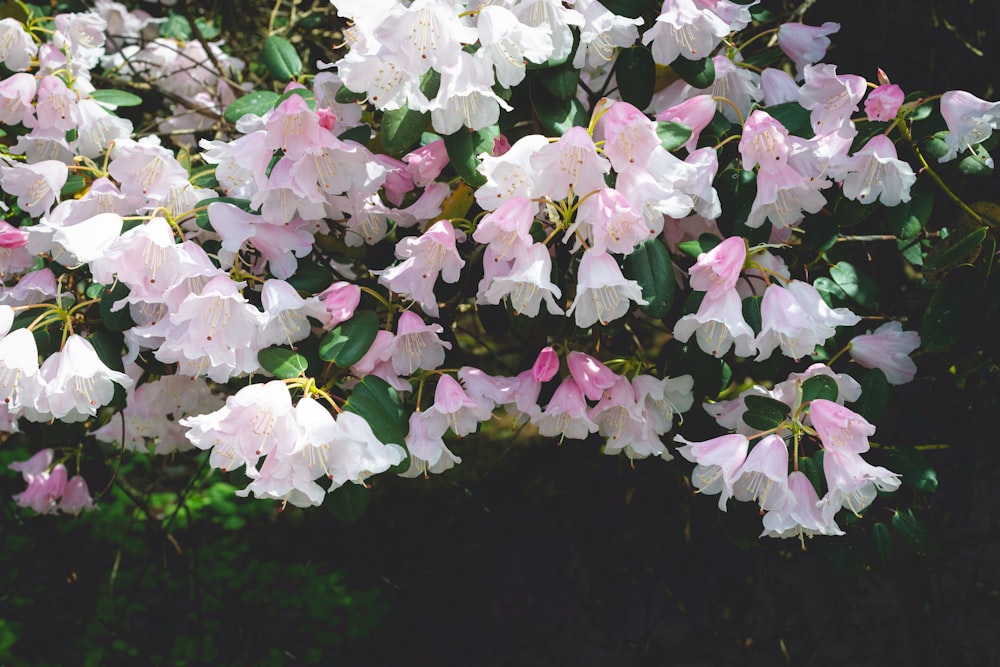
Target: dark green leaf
281, 58
882, 541
347, 343
855, 284
751, 313
346, 96
957, 251
311, 277
631, 8
207, 29
764, 413
819, 386
951, 311
793, 117
821, 233
635, 72
463, 149
914, 467
849, 212
831, 292
556, 116
74, 183
373, 399
908, 219
699, 73
672, 135
874, 395
650, 266
561, 81
704, 243
812, 467
401, 129
912, 531
976, 163
348, 503
737, 190
119, 320
282, 362
15, 10
109, 349
257, 103
115, 98
361, 134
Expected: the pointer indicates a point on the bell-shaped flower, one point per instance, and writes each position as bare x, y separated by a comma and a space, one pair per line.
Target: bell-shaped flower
44, 490
629, 136
569, 165
718, 463
831, 98
662, 399
888, 349
852, 482
718, 325
591, 375
528, 283
417, 345
510, 174
609, 222
507, 229
970, 121
718, 270
839, 427
685, 29
784, 197
16, 46
875, 173
602, 293
601, 34
287, 314
508, 43
765, 142
76, 497
76, 383
466, 97
36, 185
425, 443
800, 515
882, 104
805, 44
796, 319
17, 93
454, 408
567, 414
19, 380
764, 475
424, 258
556, 19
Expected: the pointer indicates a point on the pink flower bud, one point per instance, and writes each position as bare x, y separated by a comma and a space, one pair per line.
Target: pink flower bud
883, 103
545, 366
341, 299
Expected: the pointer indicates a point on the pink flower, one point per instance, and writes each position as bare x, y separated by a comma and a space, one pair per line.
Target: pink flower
44, 490
718, 325
454, 408
883, 103
718, 463
764, 475
875, 173
16, 45
696, 112
629, 136
717, 270
567, 413
76, 496
888, 349
424, 164
800, 515
417, 345
805, 44
569, 165
591, 375
839, 427
764, 142
970, 121
546, 365
830, 97
424, 258
527, 284
36, 185
340, 300
852, 482
603, 293
796, 319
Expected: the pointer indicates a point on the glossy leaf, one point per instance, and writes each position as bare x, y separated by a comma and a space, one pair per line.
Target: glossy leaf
874, 395
345, 95
463, 149
764, 413
819, 386
914, 467
176, 27
258, 103
348, 502
556, 116
793, 117
912, 531
751, 313
373, 399
281, 58
346, 344
118, 320
635, 72
882, 541
561, 81
115, 98
951, 311
311, 277
401, 129
856, 285
672, 135
958, 252
704, 243
699, 73
650, 266
282, 362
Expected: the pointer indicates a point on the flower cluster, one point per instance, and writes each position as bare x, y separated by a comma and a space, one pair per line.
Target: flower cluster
469, 182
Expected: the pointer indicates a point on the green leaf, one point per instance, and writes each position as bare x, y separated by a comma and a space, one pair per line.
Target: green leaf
672, 135
764, 413
463, 149
561, 81
176, 27
360, 134
306, 94
704, 243
632, 9
831, 292
635, 72
345, 95
793, 117
914, 467
374, 400
812, 467
74, 183
849, 212
751, 313
281, 58
855, 284
207, 29
348, 502
282, 362
912, 531
650, 266
976, 163
18, 11
699, 73
401, 129
820, 233
737, 191
556, 116
908, 219
958, 251
257, 103
115, 98
109, 349
819, 386
119, 320
882, 541
874, 395
311, 277
348, 342
950, 314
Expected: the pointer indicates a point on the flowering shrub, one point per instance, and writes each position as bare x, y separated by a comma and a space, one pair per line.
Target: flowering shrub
590, 219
